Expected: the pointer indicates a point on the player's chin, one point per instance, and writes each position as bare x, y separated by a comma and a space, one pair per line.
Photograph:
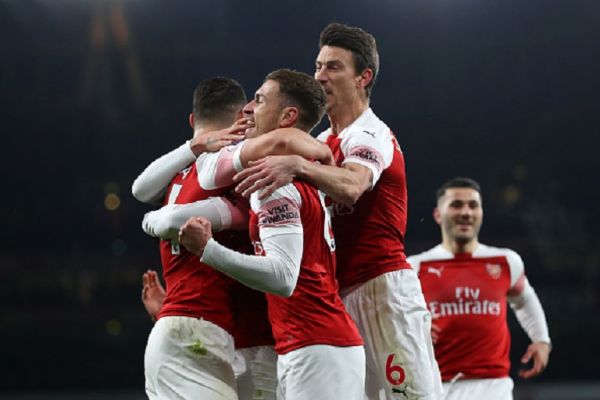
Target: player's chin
464, 237
250, 133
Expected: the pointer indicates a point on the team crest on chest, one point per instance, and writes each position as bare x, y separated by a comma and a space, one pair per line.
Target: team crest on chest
495, 270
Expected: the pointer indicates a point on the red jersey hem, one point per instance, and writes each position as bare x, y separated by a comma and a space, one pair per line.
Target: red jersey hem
174, 313
474, 375
374, 273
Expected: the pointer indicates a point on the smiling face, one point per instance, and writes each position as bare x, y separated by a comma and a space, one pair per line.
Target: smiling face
459, 214
334, 69
264, 109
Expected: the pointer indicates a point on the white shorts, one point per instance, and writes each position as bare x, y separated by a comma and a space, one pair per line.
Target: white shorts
255, 370
476, 389
322, 372
392, 317
189, 358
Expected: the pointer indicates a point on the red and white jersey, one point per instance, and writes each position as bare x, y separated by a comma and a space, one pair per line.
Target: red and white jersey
252, 327
314, 313
194, 289
467, 297
370, 234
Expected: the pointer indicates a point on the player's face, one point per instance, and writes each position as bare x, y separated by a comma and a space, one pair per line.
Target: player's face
459, 213
264, 109
334, 69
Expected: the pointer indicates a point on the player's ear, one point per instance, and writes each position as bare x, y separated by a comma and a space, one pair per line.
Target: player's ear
365, 78
191, 118
288, 117
437, 216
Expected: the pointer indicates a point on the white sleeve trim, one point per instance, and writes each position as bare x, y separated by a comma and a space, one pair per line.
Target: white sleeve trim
516, 265
530, 314
276, 272
151, 184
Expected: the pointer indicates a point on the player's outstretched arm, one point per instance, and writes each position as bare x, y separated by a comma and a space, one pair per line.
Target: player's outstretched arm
276, 272
343, 184
165, 222
153, 294
285, 141
151, 184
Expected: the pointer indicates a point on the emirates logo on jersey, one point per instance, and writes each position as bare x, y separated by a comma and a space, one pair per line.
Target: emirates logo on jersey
495, 270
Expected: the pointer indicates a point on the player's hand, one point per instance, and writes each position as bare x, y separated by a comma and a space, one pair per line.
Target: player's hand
194, 235
539, 352
214, 141
153, 294
435, 332
267, 174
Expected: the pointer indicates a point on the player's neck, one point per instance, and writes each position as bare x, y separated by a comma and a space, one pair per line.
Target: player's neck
205, 128
344, 115
458, 247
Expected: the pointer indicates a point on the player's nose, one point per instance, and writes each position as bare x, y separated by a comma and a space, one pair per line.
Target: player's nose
248, 109
321, 75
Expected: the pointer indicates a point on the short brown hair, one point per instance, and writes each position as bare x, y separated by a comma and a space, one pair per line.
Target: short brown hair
218, 99
360, 43
458, 182
304, 92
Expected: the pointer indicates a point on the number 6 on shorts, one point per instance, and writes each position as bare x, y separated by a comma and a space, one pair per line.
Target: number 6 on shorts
390, 369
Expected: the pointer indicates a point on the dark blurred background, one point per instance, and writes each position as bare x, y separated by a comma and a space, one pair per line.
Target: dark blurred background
91, 91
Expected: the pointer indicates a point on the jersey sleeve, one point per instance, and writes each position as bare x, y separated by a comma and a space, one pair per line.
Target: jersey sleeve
222, 213
151, 185
279, 213
216, 170
517, 273
525, 303
415, 263
282, 239
370, 147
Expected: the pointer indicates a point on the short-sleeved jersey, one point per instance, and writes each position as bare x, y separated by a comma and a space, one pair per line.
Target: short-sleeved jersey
314, 313
370, 234
467, 297
195, 289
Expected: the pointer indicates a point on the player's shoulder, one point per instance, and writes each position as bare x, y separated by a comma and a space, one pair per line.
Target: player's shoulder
368, 125
436, 253
514, 260
484, 250
286, 193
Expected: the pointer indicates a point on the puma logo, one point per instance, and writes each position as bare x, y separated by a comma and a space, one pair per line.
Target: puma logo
370, 133
436, 271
